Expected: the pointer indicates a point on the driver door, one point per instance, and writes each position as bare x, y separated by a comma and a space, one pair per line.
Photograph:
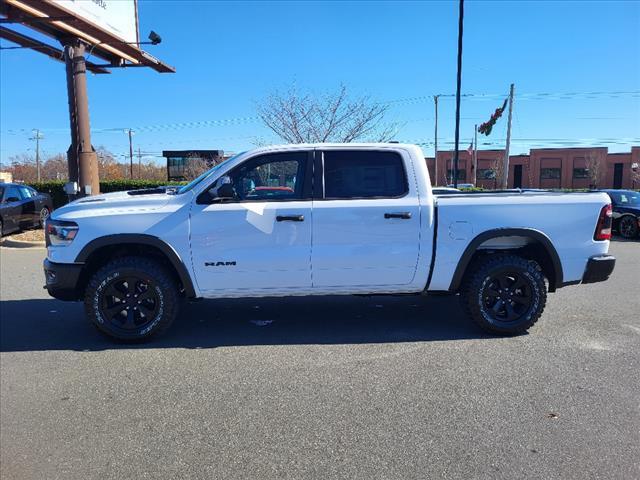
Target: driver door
259, 241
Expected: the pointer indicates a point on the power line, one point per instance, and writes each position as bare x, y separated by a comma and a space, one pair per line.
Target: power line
407, 100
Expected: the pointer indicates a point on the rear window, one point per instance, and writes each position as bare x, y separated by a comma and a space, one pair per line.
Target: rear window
358, 174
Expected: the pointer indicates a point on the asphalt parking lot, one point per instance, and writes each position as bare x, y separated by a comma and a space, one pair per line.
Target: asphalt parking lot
330, 387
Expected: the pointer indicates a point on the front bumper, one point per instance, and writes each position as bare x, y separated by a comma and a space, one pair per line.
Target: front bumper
62, 279
599, 269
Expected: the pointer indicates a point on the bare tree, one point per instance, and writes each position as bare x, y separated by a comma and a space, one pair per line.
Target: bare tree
55, 167
635, 175
332, 117
497, 165
194, 167
592, 163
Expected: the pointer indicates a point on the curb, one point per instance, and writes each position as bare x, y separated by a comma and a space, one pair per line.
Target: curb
17, 244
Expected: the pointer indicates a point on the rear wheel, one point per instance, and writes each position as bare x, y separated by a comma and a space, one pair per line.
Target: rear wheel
132, 299
504, 294
628, 226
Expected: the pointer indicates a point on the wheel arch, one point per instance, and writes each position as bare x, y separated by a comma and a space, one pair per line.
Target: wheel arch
539, 248
96, 252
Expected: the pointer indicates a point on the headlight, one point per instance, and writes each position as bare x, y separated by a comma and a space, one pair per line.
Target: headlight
60, 232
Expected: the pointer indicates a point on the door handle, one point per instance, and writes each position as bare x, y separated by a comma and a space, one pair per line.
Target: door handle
402, 215
290, 218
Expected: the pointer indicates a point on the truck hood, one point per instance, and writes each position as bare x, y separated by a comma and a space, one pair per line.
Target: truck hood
114, 203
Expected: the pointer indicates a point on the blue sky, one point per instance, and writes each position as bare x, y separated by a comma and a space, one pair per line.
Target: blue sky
229, 55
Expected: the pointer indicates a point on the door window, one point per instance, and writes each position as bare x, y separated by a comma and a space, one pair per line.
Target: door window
273, 177
25, 193
12, 192
361, 174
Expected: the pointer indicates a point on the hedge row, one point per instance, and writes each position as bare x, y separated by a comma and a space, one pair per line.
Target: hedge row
55, 188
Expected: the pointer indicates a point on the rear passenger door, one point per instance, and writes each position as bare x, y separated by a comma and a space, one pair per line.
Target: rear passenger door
366, 219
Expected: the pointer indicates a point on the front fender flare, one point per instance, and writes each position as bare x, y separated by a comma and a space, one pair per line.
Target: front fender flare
142, 239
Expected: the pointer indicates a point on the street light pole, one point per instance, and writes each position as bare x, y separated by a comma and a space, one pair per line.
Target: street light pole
130, 154
435, 142
458, 85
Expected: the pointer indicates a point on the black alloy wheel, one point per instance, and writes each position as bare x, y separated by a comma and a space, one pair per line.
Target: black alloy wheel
506, 297
504, 293
628, 226
132, 298
130, 303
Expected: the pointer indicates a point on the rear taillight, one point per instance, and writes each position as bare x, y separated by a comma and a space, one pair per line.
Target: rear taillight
603, 228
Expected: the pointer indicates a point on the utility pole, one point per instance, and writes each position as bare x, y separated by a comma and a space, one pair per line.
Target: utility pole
505, 175
475, 155
139, 164
130, 153
458, 85
37, 136
435, 141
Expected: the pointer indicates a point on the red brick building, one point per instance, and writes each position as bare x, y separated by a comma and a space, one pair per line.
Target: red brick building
544, 168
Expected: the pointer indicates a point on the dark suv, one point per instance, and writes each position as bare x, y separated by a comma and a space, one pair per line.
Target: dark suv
626, 212
22, 207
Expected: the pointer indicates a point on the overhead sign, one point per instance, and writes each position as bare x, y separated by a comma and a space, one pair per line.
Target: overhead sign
119, 18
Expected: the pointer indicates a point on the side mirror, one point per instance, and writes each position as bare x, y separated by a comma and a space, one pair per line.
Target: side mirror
222, 191
226, 191
12, 199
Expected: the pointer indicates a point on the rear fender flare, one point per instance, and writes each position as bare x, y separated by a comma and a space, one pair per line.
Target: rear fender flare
536, 235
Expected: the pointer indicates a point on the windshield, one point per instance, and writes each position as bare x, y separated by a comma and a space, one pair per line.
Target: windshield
192, 184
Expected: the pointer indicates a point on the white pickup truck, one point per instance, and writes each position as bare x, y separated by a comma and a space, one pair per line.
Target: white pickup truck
322, 219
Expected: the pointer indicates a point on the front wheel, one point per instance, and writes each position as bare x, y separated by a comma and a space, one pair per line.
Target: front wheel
131, 299
504, 294
628, 226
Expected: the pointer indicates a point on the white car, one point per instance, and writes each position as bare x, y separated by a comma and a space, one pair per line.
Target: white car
321, 220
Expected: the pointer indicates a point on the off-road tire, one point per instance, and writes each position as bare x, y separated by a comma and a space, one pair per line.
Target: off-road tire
481, 280
159, 284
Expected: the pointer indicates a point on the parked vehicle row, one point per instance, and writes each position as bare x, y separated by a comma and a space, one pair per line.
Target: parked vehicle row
22, 207
626, 212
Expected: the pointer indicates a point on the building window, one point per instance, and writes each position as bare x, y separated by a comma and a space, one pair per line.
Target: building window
580, 173
549, 174
462, 174
486, 174
176, 168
